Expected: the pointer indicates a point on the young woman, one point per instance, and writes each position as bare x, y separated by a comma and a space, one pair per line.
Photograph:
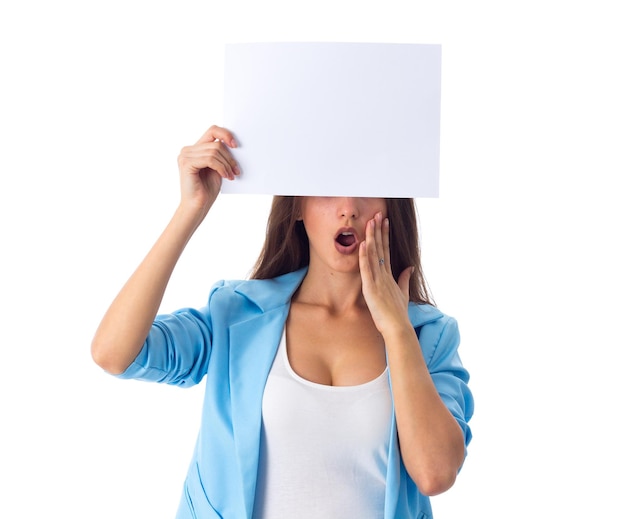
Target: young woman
333, 387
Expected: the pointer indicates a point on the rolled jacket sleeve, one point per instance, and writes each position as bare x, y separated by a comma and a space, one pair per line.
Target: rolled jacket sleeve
444, 364
177, 349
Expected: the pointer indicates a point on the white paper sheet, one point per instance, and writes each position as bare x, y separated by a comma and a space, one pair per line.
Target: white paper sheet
334, 119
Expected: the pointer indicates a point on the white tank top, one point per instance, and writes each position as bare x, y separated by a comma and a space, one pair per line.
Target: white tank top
323, 448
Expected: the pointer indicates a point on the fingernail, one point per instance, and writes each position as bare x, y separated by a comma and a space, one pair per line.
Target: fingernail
236, 170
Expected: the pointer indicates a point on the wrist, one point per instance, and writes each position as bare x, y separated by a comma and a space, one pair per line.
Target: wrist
398, 331
189, 216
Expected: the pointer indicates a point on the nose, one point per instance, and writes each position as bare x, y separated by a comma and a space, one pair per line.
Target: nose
348, 207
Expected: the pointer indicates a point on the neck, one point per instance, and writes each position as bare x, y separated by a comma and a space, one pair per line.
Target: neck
337, 291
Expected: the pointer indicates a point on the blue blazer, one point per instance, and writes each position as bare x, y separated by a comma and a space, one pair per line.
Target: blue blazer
233, 341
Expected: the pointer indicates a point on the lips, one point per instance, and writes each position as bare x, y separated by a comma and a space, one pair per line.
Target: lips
346, 240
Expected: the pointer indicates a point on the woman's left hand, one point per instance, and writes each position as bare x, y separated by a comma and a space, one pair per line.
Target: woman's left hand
386, 299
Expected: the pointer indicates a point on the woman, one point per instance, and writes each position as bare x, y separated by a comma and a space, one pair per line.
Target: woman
333, 389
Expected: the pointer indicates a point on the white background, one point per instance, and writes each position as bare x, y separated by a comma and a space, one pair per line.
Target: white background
524, 246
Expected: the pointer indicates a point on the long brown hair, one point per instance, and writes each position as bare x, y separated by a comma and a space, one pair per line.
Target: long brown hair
286, 246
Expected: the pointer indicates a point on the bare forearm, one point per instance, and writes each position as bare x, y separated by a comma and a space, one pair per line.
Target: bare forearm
431, 441
126, 324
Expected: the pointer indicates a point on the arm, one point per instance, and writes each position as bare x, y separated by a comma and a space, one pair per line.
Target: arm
125, 326
431, 442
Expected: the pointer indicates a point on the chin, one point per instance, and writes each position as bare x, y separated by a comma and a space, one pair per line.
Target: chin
346, 267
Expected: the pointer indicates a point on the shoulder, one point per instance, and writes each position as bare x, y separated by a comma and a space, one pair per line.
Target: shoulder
422, 314
262, 293
438, 333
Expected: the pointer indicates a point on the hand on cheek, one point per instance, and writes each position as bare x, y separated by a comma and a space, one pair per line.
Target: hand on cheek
374, 253
386, 299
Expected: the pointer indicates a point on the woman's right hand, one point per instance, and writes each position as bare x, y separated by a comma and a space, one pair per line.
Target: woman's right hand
203, 165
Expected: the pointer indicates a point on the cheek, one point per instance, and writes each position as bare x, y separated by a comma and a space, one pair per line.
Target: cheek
311, 227
312, 208
377, 205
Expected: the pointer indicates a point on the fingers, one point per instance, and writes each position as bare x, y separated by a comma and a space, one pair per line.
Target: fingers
375, 254
376, 244
211, 152
386, 299
386, 250
209, 155
217, 133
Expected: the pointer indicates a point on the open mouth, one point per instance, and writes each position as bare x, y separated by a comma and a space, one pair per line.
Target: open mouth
346, 241
346, 238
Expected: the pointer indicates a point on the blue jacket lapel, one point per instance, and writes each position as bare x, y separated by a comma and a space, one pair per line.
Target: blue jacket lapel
253, 346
